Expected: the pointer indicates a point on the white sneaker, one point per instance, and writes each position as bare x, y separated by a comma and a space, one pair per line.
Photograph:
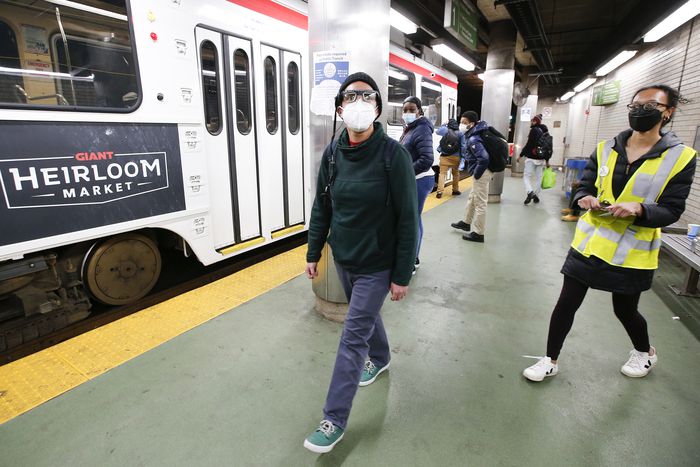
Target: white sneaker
639, 364
541, 370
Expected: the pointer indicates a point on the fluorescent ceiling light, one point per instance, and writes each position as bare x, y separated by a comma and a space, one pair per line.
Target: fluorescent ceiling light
584, 84
51, 74
89, 9
453, 56
567, 96
395, 74
401, 23
481, 76
434, 87
685, 13
619, 59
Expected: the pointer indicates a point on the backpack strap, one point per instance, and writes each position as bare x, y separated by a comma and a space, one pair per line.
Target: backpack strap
329, 156
389, 149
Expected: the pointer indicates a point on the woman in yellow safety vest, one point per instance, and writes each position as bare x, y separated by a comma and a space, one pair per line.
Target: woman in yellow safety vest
633, 185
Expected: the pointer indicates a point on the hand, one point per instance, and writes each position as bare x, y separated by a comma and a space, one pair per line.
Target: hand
589, 202
398, 292
546, 164
311, 271
627, 209
519, 157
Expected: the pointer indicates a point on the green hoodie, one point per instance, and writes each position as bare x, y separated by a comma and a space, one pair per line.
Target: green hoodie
366, 235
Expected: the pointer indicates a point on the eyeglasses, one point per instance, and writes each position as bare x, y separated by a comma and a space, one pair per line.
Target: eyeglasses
646, 106
367, 96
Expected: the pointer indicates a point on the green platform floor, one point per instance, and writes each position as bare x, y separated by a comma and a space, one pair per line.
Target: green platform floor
247, 387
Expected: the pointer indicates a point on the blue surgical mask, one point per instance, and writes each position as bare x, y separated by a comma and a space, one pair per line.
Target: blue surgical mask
409, 118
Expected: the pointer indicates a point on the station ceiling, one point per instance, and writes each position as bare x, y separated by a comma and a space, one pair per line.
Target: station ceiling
566, 39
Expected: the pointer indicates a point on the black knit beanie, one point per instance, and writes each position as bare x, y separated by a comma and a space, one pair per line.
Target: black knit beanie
365, 78
472, 116
414, 100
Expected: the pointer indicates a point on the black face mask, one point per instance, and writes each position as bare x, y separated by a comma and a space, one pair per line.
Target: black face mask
644, 120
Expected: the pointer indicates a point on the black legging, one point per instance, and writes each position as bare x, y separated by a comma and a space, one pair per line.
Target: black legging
572, 294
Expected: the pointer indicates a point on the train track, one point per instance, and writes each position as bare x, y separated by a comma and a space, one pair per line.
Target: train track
169, 286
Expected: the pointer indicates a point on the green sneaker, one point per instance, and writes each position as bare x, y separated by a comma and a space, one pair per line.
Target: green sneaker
324, 438
370, 373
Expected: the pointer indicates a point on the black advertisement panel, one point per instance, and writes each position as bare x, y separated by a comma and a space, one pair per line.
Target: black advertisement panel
60, 177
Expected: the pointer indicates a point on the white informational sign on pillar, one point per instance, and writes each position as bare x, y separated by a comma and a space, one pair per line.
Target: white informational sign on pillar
330, 70
525, 114
547, 112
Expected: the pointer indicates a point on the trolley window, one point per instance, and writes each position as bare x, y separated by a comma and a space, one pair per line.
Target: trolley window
293, 97
402, 84
271, 95
210, 87
431, 97
241, 74
68, 55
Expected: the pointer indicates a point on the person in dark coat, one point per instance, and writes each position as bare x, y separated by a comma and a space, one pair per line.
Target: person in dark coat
632, 186
450, 160
477, 163
417, 137
534, 163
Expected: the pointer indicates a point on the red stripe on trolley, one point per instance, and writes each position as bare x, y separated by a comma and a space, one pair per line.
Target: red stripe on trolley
275, 10
410, 66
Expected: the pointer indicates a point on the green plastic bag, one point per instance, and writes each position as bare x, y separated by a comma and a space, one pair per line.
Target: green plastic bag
549, 178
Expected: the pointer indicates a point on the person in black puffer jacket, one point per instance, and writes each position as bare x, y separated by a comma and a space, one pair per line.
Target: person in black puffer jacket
417, 137
633, 185
534, 163
477, 162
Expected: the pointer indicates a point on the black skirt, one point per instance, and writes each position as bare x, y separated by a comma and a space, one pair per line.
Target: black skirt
597, 274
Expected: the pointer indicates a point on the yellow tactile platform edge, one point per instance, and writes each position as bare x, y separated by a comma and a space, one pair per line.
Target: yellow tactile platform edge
33, 380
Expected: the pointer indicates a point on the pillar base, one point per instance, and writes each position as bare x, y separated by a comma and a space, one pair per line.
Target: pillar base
330, 310
494, 199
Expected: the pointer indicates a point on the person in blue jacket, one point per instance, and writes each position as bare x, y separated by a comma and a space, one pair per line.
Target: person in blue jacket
477, 163
450, 159
417, 137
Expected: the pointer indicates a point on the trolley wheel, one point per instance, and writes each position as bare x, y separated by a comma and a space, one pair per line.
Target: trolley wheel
122, 269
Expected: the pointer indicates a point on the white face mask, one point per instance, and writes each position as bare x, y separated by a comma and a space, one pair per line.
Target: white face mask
463, 128
409, 117
359, 115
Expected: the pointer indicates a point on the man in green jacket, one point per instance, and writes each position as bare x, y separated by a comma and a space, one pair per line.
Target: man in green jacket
366, 195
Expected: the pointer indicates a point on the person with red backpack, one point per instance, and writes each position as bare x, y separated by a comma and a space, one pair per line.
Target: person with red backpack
451, 149
538, 151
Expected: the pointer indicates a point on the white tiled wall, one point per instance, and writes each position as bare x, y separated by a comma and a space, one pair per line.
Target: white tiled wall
675, 61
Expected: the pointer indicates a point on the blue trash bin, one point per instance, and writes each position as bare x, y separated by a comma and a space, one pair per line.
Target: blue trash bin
573, 172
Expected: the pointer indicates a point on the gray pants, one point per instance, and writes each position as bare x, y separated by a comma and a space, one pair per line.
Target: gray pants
363, 335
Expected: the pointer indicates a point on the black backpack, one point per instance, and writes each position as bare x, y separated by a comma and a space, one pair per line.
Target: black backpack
497, 147
545, 146
450, 143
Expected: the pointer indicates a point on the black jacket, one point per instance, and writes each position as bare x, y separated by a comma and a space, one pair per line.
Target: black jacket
595, 272
530, 148
417, 137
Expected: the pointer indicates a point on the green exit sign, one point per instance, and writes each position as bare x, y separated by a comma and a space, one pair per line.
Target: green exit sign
607, 94
461, 22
